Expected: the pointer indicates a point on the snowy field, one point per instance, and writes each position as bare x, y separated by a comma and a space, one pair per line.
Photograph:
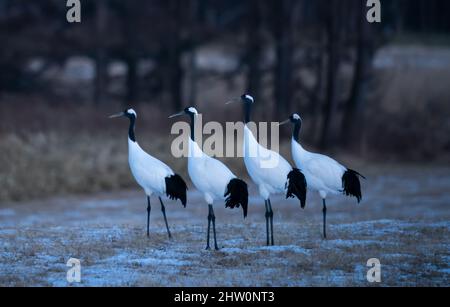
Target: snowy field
403, 220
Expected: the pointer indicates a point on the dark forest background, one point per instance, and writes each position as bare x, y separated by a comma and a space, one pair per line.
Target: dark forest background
374, 91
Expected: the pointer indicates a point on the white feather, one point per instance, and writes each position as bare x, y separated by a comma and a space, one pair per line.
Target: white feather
322, 173
193, 110
269, 177
210, 176
133, 112
250, 98
149, 172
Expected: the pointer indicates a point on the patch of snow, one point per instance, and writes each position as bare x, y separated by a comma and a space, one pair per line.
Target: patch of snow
78, 69
284, 248
351, 243
8, 232
109, 203
7, 212
445, 271
158, 262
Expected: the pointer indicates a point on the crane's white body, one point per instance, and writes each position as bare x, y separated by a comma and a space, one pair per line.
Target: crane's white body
322, 173
267, 168
210, 176
149, 172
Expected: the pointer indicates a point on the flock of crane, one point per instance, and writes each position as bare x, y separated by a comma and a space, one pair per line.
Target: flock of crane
216, 181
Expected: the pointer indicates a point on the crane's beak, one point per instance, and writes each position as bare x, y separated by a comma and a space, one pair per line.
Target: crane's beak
177, 114
284, 123
117, 115
234, 100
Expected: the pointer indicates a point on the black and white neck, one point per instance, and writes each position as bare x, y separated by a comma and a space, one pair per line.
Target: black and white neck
132, 117
131, 135
296, 131
192, 112
192, 124
248, 102
297, 122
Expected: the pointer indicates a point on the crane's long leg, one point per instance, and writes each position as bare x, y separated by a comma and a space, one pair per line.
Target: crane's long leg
163, 209
271, 220
324, 211
214, 227
149, 208
209, 226
267, 222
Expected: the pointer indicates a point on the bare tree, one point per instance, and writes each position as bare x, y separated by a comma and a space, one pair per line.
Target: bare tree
283, 11
333, 52
351, 129
174, 49
255, 47
100, 52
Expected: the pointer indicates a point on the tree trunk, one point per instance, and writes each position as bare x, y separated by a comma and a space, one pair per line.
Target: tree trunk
317, 99
193, 75
254, 48
333, 50
100, 54
130, 54
351, 129
284, 52
175, 69
131, 81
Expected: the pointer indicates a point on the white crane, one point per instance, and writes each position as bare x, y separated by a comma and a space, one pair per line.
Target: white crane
322, 173
154, 176
269, 170
212, 178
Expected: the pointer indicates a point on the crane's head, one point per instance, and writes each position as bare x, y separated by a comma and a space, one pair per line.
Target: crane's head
294, 119
130, 113
191, 111
247, 99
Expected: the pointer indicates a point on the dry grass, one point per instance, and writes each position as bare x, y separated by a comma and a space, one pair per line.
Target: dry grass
403, 221
123, 256
64, 148
40, 165
408, 115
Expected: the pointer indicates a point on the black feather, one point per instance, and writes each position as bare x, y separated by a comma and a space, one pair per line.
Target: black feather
237, 193
296, 185
351, 185
176, 188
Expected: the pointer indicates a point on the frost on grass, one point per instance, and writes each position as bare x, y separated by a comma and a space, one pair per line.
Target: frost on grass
407, 229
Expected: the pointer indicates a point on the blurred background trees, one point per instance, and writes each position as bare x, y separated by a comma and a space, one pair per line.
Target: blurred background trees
367, 92
313, 57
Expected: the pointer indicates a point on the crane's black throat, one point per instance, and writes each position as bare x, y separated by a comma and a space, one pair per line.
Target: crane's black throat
296, 131
247, 111
192, 117
132, 119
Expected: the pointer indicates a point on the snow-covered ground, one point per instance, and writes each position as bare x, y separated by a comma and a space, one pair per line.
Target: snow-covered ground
404, 221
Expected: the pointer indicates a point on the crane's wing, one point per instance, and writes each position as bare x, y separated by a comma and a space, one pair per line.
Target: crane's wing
326, 170
264, 165
149, 171
209, 174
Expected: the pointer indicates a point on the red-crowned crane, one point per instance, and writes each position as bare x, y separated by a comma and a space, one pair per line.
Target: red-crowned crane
213, 179
269, 170
153, 175
322, 173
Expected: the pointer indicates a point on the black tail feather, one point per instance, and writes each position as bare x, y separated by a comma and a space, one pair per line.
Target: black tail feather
237, 193
296, 185
176, 188
351, 185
